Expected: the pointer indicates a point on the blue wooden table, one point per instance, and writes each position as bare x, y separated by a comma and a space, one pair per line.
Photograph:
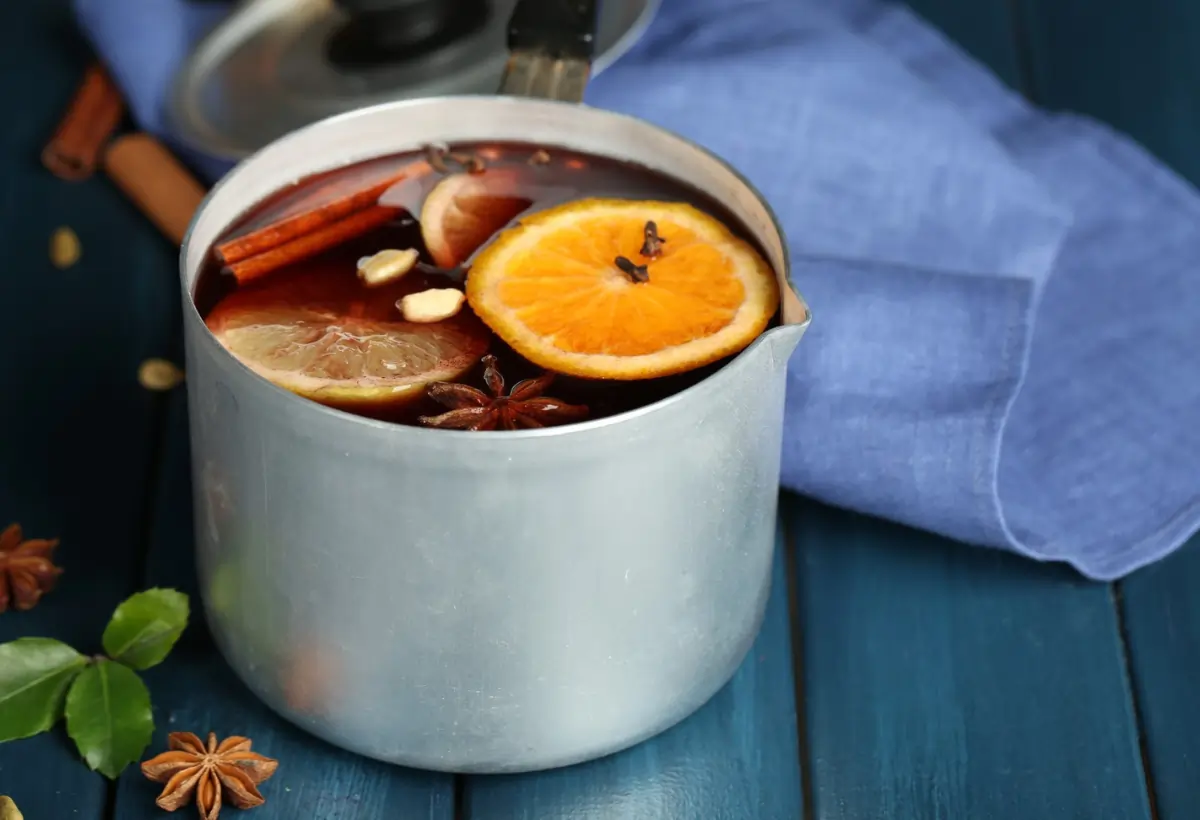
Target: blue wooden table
897, 675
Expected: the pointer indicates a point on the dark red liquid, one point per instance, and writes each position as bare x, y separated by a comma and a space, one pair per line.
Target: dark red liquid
565, 176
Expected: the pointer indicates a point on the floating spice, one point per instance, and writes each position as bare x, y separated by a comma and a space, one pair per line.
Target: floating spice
303, 247
440, 158
386, 266
330, 203
652, 243
433, 305
636, 273
522, 408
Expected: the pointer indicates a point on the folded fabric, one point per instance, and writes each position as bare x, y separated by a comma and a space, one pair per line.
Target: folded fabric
1002, 337
1099, 457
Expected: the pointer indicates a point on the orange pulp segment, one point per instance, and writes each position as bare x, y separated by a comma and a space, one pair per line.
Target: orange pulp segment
319, 334
551, 287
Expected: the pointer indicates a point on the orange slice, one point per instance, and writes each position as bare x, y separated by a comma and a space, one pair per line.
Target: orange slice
462, 212
553, 289
318, 333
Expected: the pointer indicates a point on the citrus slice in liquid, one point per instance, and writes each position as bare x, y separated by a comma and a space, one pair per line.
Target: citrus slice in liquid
318, 333
561, 288
464, 210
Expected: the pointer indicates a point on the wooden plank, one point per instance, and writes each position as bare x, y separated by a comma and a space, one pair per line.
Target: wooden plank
78, 429
196, 691
1133, 65
946, 681
1162, 625
737, 757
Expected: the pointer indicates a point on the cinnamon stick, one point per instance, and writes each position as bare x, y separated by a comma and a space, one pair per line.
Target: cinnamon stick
302, 224
90, 120
156, 182
311, 244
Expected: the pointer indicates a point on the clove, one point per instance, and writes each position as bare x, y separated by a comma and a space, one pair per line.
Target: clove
636, 273
438, 154
652, 244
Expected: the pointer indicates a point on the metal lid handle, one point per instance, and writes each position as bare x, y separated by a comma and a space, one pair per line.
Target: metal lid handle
550, 43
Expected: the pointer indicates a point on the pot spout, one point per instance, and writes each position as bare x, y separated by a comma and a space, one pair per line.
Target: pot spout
781, 341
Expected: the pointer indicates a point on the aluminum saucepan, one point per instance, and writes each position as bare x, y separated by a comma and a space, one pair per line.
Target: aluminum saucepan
487, 602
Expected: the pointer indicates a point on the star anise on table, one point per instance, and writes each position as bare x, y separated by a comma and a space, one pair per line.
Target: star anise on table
212, 772
27, 569
523, 407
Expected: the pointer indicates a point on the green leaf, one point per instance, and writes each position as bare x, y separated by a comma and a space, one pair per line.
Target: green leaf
108, 716
34, 676
145, 627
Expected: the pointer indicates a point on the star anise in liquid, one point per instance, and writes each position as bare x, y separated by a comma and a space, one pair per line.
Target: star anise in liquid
27, 569
522, 408
210, 773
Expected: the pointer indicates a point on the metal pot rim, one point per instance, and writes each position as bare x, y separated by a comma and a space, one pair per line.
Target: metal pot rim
715, 382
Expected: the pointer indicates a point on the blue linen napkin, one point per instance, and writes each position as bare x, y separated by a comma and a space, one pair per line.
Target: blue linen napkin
1005, 337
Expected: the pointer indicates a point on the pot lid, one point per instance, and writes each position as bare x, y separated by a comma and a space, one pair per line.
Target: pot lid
276, 65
